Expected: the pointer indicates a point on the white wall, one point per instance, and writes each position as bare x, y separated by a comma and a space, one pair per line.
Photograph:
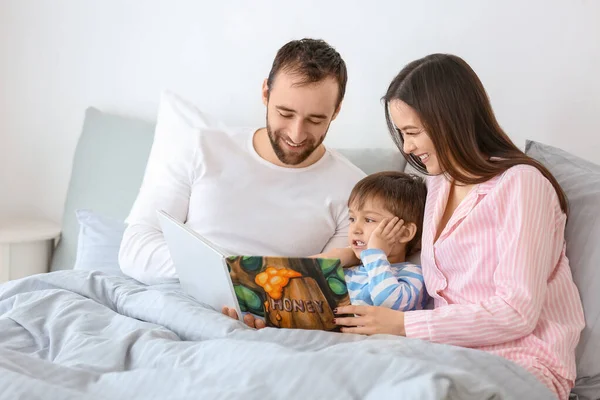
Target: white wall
539, 60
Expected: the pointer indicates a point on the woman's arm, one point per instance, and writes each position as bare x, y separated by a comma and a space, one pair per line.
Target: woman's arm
530, 240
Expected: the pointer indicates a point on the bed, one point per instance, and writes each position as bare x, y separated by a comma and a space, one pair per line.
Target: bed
86, 331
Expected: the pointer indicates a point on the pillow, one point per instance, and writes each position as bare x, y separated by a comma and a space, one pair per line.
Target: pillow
107, 170
580, 180
98, 242
373, 160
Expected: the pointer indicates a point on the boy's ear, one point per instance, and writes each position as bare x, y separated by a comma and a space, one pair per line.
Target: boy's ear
408, 232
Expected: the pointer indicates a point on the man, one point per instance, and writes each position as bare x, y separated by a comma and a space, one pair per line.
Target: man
270, 191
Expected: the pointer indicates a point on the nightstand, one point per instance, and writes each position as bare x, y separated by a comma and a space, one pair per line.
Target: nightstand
26, 247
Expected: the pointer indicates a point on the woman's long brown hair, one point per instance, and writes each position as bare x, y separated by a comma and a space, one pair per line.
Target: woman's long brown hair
457, 115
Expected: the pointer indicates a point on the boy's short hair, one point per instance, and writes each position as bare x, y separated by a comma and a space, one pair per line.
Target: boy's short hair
400, 193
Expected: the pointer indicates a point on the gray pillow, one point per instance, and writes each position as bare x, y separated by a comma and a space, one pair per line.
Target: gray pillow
107, 171
98, 242
373, 160
580, 180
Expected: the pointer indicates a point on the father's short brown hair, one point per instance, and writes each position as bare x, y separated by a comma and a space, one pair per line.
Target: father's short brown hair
312, 60
400, 193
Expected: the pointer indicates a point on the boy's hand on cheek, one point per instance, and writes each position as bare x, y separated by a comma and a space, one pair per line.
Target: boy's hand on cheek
386, 235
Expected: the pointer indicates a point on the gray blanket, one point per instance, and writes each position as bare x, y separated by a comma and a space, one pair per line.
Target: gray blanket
76, 335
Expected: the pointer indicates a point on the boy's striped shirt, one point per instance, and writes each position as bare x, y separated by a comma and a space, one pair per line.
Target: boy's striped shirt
377, 282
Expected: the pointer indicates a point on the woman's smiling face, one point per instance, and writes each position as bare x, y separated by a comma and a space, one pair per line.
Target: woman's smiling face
416, 140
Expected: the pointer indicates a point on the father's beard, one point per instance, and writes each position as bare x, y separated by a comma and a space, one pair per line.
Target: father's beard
287, 155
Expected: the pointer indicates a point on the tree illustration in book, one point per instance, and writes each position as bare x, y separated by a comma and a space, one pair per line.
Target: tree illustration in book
298, 293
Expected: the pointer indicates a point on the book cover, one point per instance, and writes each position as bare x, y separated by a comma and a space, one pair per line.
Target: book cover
285, 292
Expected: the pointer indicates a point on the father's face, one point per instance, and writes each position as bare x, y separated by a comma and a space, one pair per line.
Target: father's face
298, 116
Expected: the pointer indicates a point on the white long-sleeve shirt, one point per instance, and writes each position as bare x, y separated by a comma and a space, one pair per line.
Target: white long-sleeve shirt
212, 178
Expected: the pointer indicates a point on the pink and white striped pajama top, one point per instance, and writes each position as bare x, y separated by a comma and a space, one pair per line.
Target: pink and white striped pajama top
499, 276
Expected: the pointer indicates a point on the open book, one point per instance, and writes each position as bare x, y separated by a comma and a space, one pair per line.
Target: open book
287, 292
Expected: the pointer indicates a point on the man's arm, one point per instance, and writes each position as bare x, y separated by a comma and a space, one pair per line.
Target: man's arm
166, 186
344, 254
337, 246
340, 236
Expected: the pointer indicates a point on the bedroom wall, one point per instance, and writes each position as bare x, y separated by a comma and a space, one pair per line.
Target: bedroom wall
539, 61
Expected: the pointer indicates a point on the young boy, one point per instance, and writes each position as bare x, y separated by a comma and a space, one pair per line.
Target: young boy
386, 219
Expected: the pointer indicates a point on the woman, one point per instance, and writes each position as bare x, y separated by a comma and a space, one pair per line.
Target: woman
493, 246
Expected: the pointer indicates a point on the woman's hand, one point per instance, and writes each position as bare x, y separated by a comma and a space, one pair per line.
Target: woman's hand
371, 320
248, 318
